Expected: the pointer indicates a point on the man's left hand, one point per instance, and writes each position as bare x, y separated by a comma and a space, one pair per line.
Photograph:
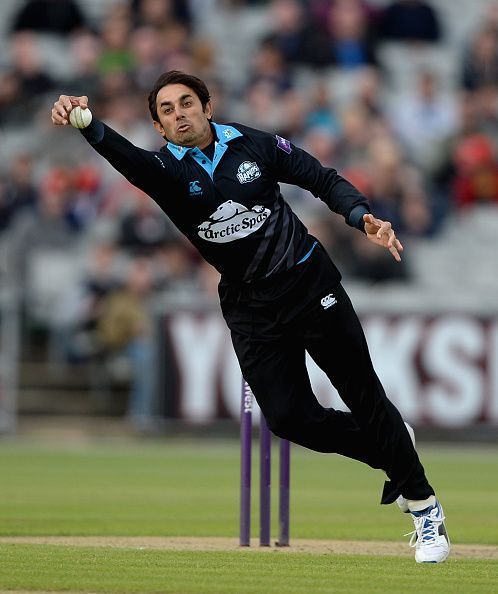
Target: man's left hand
382, 233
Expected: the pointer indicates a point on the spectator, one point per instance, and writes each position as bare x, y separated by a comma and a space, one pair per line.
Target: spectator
261, 108
170, 19
322, 111
320, 142
410, 20
102, 277
85, 52
271, 82
27, 65
160, 13
116, 54
204, 57
393, 184
80, 306
442, 168
218, 99
60, 17
117, 83
369, 89
320, 10
87, 187
419, 215
383, 166
175, 45
351, 42
23, 82
17, 190
293, 33
12, 111
49, 225
148, 56
269, 67
480, 62
293, 108
423, 117
73, 184
355, 134
125, 330
476, 179
486, 101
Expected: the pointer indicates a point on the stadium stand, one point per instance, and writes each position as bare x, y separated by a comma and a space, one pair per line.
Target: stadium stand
350, 106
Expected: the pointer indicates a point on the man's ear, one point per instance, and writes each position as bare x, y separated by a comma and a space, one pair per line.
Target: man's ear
208, 110
158, 127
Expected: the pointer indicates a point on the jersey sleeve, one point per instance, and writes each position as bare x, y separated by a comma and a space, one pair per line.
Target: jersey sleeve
139, 166
293, 165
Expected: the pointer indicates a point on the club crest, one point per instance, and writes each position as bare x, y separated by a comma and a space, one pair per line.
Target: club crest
248, 171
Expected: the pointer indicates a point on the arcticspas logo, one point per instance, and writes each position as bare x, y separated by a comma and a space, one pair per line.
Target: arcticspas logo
231, 221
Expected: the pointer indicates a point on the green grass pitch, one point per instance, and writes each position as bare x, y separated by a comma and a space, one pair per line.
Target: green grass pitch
184, 488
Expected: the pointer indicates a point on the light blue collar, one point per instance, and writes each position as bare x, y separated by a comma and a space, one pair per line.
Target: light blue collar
224, 134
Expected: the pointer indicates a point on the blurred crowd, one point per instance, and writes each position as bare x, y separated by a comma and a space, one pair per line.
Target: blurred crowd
88, 250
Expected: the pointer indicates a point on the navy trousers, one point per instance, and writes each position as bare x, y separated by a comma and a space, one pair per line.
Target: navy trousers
273, 323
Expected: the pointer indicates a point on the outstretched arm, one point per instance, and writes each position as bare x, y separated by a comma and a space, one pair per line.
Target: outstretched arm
296, 166
144, 169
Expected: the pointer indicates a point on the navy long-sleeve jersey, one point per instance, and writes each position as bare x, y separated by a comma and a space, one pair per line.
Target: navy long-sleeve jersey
230, 207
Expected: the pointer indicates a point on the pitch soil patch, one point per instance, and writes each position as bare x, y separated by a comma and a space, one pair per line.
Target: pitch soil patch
319, 547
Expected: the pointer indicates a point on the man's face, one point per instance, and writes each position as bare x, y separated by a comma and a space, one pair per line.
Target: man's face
181, 117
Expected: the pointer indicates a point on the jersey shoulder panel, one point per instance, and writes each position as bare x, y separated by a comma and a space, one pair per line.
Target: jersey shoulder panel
261, 142
251, 132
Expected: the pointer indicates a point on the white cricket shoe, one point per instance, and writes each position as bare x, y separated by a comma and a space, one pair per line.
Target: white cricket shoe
430, 538
401, 501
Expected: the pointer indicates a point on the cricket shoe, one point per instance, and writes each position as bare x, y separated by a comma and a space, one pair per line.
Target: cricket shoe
430, 538
401, 501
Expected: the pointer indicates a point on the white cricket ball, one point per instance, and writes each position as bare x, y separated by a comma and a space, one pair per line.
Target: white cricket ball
80, 118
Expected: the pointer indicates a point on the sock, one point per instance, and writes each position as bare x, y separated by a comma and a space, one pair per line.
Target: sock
416, 505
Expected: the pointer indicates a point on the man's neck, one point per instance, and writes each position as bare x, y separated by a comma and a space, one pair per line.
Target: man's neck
208, 140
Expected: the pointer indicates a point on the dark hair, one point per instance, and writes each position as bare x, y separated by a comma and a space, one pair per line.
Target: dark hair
176, 77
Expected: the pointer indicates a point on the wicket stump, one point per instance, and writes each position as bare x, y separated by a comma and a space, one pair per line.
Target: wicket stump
265, 478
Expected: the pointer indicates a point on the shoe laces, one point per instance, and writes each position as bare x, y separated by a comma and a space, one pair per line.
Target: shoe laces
426, 528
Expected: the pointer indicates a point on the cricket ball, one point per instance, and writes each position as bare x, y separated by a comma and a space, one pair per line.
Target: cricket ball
80, 118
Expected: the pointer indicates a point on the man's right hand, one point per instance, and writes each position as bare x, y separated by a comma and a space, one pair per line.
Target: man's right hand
63, 107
